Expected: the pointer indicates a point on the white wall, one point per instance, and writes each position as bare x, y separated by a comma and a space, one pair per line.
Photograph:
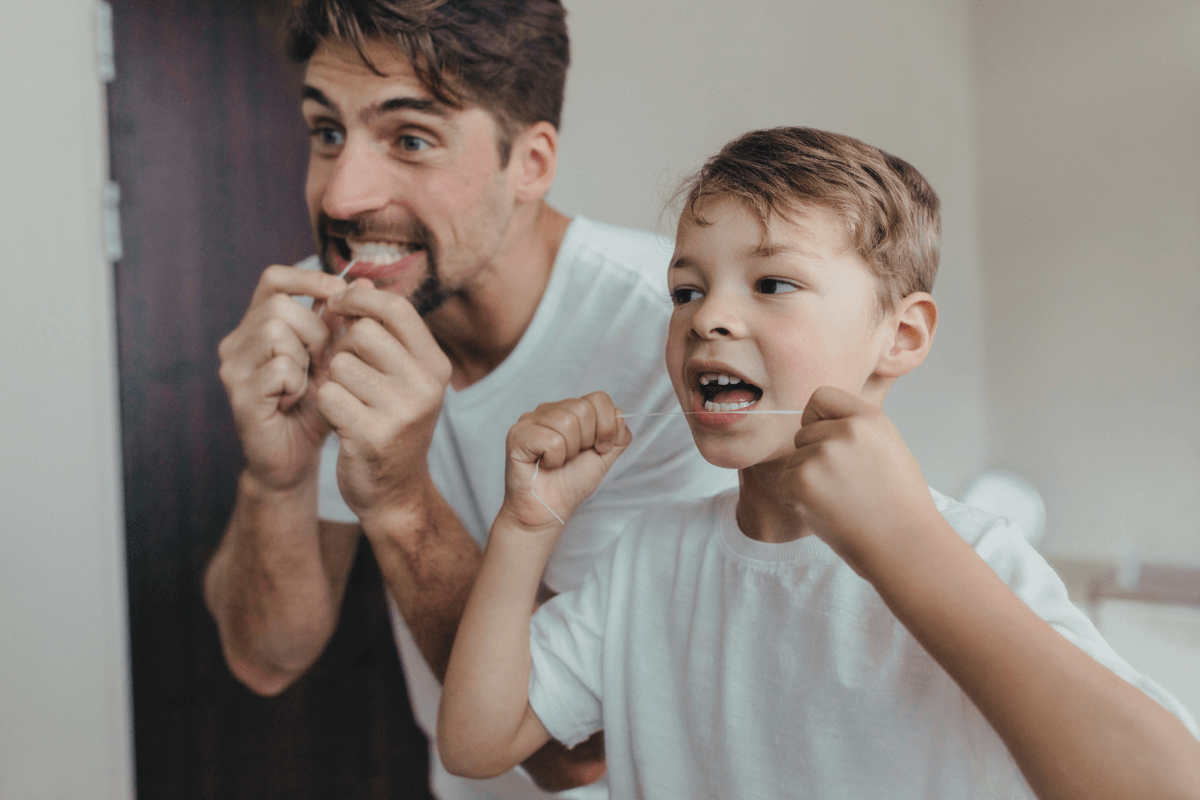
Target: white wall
1089, 135
656, 88
64, 698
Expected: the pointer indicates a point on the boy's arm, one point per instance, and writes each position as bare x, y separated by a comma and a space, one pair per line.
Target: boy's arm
1075, 728
485, 723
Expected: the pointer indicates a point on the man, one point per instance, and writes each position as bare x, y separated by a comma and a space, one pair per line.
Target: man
467, 300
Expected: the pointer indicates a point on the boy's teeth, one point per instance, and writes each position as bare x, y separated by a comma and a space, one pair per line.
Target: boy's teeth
709, 405
722, 380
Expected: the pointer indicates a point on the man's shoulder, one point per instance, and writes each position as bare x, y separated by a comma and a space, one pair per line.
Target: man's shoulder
599, 245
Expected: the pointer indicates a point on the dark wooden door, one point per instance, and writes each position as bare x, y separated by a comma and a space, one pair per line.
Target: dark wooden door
209, 150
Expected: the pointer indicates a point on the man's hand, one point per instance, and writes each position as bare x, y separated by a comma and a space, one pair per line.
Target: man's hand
853, 479
576, 442
264, 366
387, 378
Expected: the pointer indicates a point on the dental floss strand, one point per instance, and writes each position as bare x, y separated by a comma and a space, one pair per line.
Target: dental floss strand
342, 275
537, 464
321, 314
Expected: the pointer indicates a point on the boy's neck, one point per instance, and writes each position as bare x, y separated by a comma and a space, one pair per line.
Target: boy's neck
760, 514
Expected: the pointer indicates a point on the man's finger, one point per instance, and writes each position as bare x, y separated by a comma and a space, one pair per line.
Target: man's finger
394, 312
278, 279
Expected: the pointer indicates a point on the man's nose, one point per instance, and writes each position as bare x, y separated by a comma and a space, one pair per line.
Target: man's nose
359, 182
718, 317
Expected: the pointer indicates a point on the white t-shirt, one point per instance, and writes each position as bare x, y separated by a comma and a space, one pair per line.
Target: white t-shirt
724, 667
601, 324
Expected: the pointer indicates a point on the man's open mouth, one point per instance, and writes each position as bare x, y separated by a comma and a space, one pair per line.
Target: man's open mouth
377, 261
725, 393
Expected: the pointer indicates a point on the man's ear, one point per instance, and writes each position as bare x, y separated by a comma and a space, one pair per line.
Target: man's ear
534, 160
911, 325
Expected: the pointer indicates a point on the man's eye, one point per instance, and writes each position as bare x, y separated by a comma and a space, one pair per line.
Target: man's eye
412, 144
328, 137
776, 286
684, 295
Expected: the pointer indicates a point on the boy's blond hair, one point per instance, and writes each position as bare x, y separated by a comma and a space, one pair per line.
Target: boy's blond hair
889, 211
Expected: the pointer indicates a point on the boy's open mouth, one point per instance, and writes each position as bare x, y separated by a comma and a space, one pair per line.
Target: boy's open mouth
725, 393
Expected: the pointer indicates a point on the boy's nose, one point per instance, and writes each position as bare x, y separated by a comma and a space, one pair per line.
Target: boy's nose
358, 184
716, 318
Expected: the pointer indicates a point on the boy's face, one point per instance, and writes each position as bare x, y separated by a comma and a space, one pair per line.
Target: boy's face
775, 314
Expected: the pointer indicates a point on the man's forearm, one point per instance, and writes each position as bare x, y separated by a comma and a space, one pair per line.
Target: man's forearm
268, 587
485, 724
1074, 727
429, 562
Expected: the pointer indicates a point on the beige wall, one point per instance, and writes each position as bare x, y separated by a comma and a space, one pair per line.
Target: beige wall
64, 697
655, 88
1089, 139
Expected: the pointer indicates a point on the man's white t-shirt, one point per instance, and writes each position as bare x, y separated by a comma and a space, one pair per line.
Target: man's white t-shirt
720, 666
601, 324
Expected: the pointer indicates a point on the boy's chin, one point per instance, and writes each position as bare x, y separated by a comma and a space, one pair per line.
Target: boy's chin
741, 456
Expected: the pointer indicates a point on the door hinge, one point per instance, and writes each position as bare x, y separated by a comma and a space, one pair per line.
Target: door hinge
113, 250
106, 63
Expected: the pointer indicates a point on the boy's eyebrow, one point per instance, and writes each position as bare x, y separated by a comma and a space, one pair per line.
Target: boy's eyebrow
683, 262
768, 249
422, 104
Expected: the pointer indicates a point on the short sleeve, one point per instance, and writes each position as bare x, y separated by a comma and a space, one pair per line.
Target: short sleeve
1037, 584
566, 637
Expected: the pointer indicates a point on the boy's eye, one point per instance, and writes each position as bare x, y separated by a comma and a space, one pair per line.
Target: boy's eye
776, 286
412, 144
684, 295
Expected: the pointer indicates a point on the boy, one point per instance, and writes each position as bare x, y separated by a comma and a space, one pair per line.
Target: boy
834, 628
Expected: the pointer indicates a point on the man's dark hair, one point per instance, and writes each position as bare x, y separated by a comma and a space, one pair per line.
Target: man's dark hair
508, 57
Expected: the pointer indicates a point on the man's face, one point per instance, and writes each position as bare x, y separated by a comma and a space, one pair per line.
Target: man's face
761, 322
408, 188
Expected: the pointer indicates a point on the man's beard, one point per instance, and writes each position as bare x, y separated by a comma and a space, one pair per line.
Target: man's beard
430, 293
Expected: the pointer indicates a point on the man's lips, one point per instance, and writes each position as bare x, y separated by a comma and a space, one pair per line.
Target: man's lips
379, 274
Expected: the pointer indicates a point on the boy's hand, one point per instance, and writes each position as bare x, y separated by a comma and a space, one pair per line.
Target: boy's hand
576, 441
854, 480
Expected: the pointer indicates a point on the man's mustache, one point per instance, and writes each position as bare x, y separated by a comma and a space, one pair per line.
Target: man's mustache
412, 231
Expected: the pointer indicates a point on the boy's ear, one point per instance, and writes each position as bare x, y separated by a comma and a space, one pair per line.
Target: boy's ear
534, 160
911, 324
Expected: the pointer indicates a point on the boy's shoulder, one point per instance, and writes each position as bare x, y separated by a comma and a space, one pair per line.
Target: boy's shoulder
681, 523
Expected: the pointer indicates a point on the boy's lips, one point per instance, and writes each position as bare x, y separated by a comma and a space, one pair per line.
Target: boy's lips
720, 395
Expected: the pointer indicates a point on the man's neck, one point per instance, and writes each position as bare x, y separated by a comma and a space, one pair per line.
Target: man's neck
479, 328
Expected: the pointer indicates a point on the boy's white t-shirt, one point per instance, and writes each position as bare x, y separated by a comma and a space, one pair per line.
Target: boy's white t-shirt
719, 666
601, 324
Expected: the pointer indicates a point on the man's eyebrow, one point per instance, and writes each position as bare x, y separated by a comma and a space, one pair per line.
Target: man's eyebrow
317, 96
422, 104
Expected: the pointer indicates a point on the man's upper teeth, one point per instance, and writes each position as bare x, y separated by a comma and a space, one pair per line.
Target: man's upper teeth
379, 252
722, 380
